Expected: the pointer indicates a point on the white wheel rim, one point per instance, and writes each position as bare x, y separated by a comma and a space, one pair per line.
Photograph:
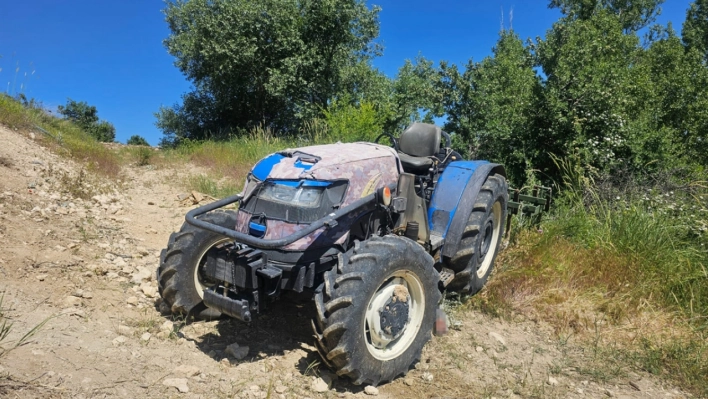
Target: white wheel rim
380, 344
486, 262
199, 284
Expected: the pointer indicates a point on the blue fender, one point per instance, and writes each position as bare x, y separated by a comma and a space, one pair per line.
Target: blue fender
454, 197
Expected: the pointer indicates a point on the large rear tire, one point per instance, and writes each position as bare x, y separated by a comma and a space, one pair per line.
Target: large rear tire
376, 309
474, 260
180, 280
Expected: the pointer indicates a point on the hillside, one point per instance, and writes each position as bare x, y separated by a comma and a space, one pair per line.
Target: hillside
79, 256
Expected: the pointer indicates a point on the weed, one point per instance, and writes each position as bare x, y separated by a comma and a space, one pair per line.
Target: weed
6, 328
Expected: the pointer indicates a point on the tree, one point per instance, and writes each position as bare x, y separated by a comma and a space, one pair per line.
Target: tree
137, 140
491, 106
632, 14
86, 117
252, 62
695, 28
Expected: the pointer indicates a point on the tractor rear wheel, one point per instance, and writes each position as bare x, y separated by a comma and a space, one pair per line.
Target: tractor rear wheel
376, 309
180, 280
474, 260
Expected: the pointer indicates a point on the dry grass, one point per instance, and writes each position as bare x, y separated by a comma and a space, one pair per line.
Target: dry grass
61, 135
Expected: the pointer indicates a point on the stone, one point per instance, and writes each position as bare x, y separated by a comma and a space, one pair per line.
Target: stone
408, 381
124, 330
552, 381
498, 337
72, 301
609, 393
87, 295
479, 349
371, 390
427, 377
167, 326
133, 300
280, 388
41, 277
187, 370
179, 383
319, 385
143, 273
236, 351
79, 293
148, 290
120, 340
145, 337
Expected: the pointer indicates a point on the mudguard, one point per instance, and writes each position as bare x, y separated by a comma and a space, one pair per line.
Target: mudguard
454, 197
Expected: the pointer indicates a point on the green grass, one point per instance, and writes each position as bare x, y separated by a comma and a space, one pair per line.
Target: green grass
68, 139
626, 275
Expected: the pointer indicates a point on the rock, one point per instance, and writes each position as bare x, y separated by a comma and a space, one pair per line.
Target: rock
151, 231
143, 273
371, 390
151, 203
145, 337
124, 330
498, 337
133, 300
148, 290
79, 293
427, 377
179, 383
408, 381
72, 301
280, 388
254, 388
87, 295
319, 385
552, 381
609, 393
479, 349
187, 370
142, 251
41, 277
167, 326
236, 351
119, 341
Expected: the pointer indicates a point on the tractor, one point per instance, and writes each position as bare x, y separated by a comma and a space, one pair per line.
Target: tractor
375, 233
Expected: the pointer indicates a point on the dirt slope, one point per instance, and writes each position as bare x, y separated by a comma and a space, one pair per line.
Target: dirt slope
86, 267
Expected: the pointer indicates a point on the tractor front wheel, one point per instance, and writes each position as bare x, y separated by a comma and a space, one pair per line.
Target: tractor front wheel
376, 309
180, 279
481, 238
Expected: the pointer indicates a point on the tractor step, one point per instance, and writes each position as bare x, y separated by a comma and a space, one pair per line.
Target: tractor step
446, 276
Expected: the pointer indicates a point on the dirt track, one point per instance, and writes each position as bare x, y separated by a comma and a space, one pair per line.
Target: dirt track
87, 267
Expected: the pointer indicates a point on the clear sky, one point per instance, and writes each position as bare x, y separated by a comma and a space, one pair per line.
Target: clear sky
110, 53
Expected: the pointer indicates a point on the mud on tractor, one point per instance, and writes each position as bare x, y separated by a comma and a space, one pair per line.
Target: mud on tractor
374, 232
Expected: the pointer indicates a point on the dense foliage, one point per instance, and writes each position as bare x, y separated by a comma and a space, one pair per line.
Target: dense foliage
137, 140
86, 117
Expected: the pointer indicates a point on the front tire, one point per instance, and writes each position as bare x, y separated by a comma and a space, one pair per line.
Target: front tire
376, 309
474, 260
179, 277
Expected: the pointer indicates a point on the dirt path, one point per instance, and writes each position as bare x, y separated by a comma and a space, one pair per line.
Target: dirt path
86, 268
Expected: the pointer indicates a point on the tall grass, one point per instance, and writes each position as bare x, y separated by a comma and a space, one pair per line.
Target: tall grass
626, 272
67, 138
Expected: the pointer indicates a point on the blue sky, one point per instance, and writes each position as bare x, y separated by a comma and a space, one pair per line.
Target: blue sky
110, 53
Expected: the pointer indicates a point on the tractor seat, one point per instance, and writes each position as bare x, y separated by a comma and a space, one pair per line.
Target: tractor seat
417, 145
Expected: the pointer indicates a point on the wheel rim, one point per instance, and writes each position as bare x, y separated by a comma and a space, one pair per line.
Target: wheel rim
488, 243
201, 283
381, 341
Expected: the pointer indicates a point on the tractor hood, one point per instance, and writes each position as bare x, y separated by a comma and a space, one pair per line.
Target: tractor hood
365, 166
290, 189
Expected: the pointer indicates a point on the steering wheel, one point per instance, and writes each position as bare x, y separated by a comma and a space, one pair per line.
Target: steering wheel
394, 142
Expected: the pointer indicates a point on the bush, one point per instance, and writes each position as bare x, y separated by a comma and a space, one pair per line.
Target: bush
137, 140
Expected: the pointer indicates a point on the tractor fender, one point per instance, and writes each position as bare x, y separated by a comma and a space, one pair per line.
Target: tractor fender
454, 197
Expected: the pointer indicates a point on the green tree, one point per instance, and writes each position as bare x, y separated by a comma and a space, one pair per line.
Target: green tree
274, 62
695, 28
137, 140
491, 106
632, 14
86, 117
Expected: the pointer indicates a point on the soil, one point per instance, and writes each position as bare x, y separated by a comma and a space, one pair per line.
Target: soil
85, 268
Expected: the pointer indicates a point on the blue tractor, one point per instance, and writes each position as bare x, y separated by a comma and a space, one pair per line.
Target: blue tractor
375, 233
